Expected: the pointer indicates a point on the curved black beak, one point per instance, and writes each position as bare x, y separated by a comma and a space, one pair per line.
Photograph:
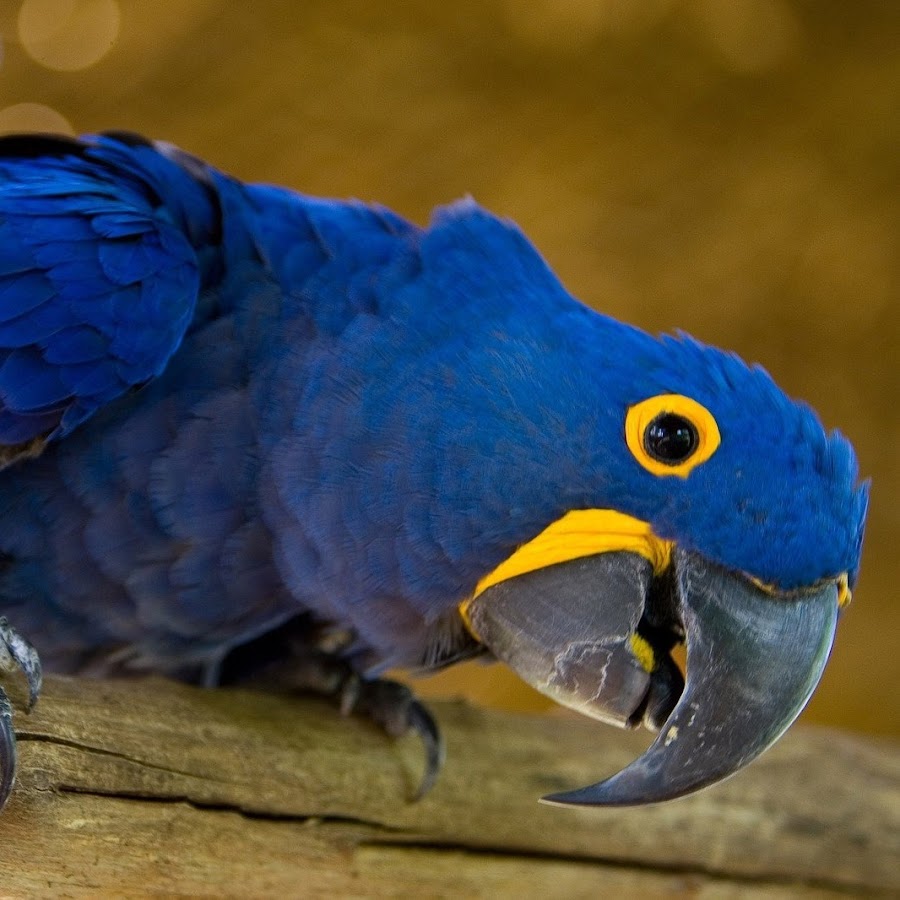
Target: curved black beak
753, 661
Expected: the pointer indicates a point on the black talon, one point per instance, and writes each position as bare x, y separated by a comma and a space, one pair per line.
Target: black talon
422, 722
7, 750
15, 652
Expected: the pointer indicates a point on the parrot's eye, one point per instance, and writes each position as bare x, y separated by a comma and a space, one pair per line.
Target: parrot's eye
670, 439
671, 434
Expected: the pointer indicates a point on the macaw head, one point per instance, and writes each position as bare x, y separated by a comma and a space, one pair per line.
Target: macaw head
714, 512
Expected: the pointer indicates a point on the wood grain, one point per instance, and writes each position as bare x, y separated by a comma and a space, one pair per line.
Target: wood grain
143, 788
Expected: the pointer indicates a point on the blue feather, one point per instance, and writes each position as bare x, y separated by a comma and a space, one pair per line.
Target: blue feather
80, 243
79, 344
22, 292
27, 383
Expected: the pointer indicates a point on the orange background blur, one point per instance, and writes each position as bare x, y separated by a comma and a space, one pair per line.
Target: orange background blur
729, 168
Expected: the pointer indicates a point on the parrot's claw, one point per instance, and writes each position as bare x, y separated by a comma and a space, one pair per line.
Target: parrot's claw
7, 749
422, 722
396, 709
15, 653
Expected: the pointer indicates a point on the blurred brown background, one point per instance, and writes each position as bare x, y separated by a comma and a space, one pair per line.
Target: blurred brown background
729, 168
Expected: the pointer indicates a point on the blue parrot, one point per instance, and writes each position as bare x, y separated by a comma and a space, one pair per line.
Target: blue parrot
248, 436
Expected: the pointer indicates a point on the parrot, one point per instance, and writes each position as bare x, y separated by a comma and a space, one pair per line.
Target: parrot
253, 437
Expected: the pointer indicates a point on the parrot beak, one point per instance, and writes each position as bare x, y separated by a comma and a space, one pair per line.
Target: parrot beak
595, 633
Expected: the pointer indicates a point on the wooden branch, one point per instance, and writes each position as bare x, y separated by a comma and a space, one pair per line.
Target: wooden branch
129, 789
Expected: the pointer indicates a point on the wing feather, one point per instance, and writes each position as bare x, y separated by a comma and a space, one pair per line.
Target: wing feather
97, 285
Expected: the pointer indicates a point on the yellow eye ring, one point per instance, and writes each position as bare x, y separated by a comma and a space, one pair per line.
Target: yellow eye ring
671, 434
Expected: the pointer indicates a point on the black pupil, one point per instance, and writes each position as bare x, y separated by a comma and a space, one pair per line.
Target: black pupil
670, 439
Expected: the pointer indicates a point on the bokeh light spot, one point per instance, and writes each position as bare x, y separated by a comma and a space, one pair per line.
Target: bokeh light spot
68, 35
33, 117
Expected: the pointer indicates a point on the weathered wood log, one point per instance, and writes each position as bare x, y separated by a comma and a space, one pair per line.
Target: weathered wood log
137, 788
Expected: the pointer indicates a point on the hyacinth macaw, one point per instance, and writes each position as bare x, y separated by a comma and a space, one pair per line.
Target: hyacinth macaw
249, 436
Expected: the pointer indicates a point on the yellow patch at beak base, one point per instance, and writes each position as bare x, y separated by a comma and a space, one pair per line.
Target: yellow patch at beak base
579, 533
